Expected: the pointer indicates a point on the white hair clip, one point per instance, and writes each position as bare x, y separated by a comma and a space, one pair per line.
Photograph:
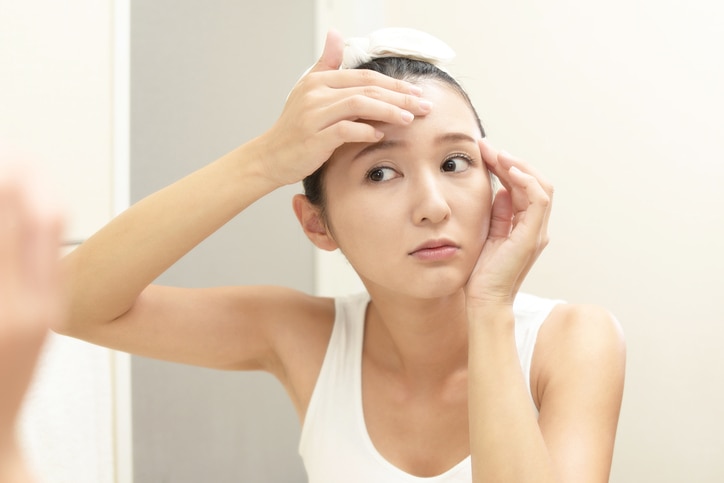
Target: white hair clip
396, 42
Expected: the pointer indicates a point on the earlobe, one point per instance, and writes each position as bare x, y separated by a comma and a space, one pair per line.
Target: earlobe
313, 224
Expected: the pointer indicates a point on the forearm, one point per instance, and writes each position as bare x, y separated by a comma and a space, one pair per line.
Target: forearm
108, 272
505, 441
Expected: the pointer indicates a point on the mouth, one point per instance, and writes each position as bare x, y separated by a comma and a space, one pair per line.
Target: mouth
435, 250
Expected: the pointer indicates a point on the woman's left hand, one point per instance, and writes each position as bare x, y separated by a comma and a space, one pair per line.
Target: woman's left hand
518, 230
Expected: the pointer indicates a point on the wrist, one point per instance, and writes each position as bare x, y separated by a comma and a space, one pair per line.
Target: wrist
495, 315
272, 161
251, 163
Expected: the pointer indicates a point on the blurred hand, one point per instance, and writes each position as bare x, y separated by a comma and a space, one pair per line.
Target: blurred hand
30, 288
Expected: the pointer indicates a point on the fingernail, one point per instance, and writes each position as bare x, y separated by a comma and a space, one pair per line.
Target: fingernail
416, 90
425, 105
407, 116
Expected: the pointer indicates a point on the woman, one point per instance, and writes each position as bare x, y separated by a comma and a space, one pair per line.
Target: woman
432, 372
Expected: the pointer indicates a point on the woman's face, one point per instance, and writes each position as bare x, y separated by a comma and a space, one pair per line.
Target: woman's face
411, 212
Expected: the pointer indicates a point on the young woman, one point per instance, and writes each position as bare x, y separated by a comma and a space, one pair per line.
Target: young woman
441, 371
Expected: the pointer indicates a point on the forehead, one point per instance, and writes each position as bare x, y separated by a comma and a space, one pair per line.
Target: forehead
450, 113
449, 107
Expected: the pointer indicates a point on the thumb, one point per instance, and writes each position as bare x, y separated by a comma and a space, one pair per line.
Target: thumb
332, 54
502, 215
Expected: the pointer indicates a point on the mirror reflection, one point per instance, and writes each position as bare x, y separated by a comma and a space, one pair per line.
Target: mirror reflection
347, 270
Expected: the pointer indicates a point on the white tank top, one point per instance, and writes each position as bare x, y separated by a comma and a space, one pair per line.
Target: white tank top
335, 445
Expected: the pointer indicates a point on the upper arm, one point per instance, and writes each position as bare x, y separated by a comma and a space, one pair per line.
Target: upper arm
221, 327
579, 366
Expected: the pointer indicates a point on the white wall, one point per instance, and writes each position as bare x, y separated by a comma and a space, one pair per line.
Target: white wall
619, 103
56, 103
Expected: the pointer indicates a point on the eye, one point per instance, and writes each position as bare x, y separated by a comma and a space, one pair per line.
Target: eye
380, 174
456, 163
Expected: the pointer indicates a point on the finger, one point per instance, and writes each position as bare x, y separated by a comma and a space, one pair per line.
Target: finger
30, 236
529, 228
332, 54
42, 249
501, 215
507, 160
11, 233
414, 104
503, 160
365, 77
345, 131
500, 164
488, 152
492, 161
369, 109
530, 202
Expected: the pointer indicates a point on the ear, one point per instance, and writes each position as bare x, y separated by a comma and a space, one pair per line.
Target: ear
314, 227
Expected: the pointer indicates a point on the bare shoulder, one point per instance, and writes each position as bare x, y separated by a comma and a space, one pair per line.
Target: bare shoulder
583, 326
295, 324
299, 348
577, 382
299, 321
578, 339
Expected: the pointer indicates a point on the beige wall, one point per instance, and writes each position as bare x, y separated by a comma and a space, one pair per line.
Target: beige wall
620, 104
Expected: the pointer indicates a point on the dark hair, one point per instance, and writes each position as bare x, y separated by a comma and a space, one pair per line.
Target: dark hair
401, 68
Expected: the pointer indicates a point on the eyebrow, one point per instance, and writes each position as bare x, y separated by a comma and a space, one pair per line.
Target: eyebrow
385, 144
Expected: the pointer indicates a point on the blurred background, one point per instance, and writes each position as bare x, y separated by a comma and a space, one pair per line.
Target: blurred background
619, 104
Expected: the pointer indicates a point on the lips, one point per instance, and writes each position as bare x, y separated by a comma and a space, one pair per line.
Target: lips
435, 250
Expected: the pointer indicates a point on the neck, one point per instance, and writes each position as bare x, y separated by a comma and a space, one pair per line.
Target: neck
425, 341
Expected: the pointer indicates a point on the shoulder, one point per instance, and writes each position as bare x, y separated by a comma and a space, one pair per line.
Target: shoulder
578, 341
585, 327
578, 332
292, 318
299, 333
580, 368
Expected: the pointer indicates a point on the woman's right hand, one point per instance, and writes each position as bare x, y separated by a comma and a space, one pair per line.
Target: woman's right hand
31, 292
329, 107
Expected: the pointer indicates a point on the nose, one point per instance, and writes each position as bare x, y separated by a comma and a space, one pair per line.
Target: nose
430, 204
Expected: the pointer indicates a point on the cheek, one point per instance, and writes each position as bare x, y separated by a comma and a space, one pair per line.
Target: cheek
358, 221
475, 207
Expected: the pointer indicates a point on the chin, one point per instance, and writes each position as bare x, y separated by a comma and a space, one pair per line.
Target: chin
441, 288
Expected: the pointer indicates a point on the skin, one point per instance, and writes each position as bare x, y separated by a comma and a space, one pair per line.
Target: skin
465, 371
30, 295
416, 196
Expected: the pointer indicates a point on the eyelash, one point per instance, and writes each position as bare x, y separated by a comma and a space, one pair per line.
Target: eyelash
376, 169
463, 156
